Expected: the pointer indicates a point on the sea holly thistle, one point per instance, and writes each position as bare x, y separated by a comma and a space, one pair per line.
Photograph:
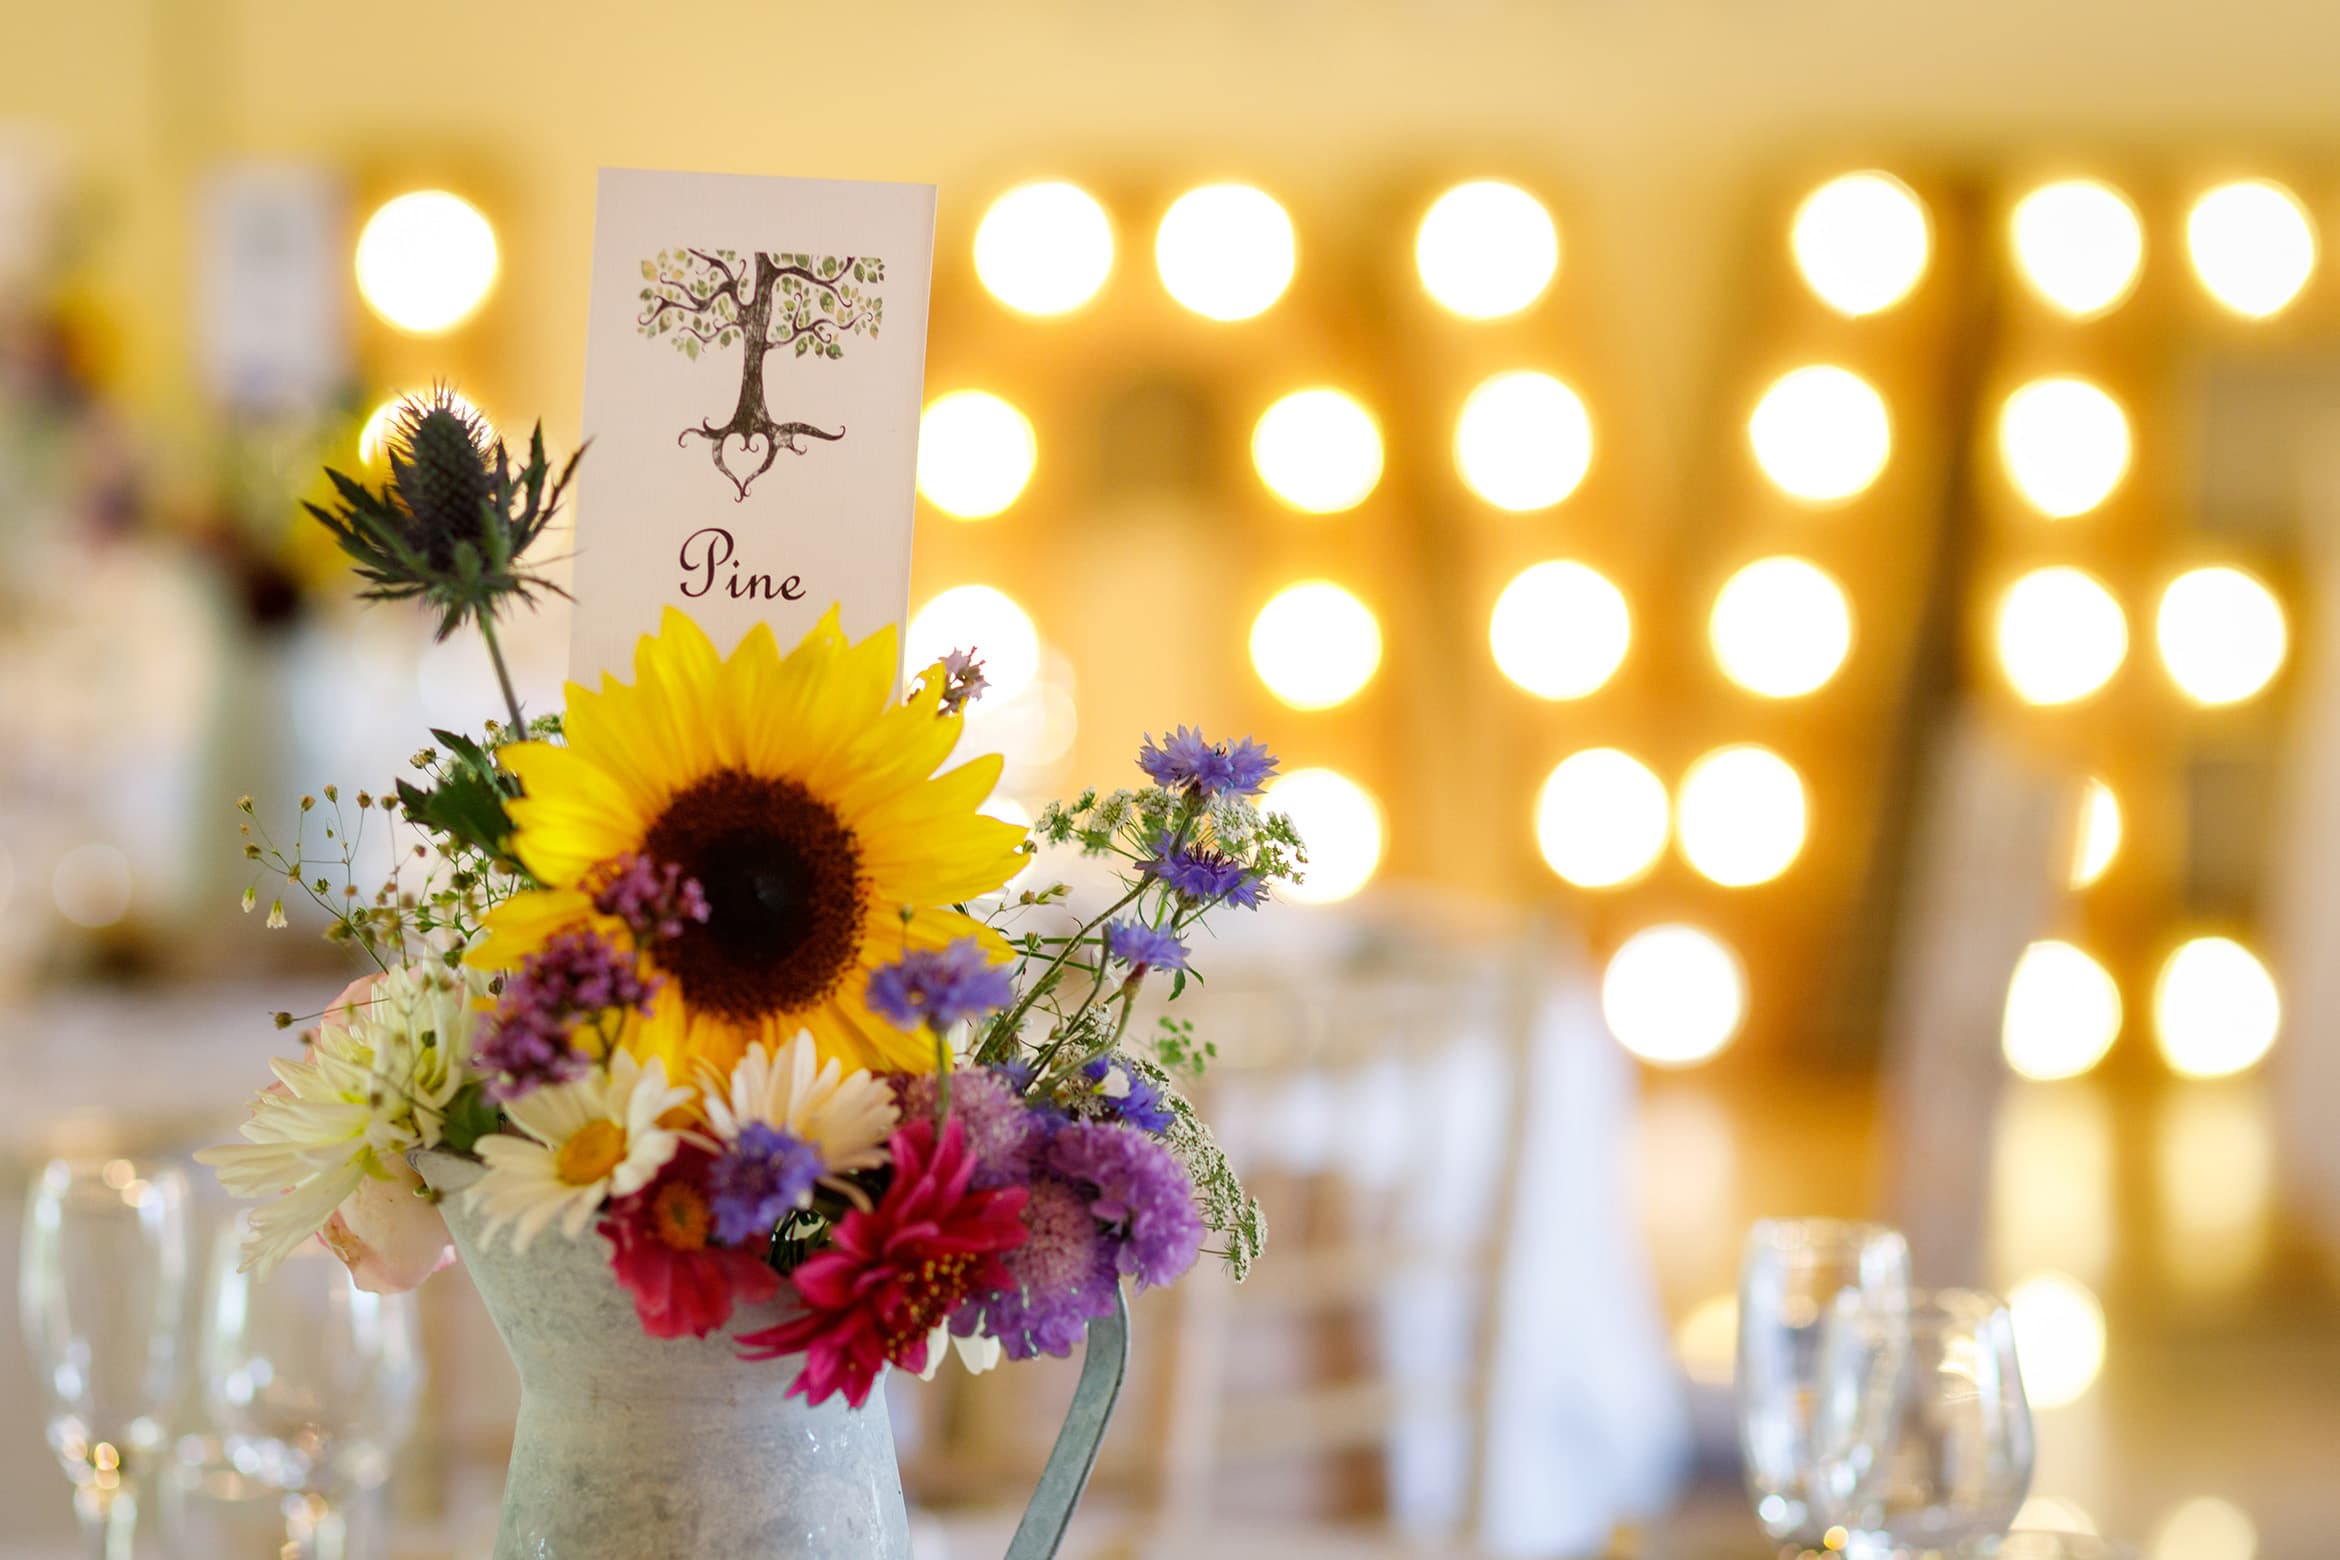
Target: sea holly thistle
705, 300
454, 523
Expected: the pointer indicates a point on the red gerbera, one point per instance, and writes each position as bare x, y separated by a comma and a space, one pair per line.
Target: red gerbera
662, 1251
890, 1276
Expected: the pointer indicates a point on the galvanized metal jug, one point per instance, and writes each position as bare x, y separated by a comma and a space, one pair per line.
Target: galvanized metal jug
630, 1446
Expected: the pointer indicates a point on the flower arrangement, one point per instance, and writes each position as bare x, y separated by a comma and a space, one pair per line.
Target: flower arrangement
724, 969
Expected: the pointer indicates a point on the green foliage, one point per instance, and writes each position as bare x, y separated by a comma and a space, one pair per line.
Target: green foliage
452, 526
471, 1115
465, 804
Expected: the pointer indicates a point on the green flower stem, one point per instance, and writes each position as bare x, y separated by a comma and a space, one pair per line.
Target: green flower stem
487, 631
1015, 1015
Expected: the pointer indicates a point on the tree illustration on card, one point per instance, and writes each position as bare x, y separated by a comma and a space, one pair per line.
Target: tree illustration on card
707, 300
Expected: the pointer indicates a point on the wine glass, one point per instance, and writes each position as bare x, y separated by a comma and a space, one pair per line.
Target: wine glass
311, 1383
102, 1290
1923, 1435
1794, 1271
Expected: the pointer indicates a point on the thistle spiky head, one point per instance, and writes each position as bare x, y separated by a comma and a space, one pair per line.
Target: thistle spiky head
444, 459
454, 522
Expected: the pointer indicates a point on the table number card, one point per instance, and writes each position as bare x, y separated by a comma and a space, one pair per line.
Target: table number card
754, 369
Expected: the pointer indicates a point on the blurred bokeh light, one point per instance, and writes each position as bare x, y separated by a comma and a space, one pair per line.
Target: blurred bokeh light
1780, 627
1821, 433
1044, 248
2098, 838
1487, 249
2059, 1338
2206, 1528
2253, 246
1740, 816
1315, 645
987, 621
1317, 450
1341, 822
1674, 995
426, 261
1226, 251
2061, 635
1523, 441
1560, 630
2065, 444
2215, 1008
2079, 244
2063, 1013
1601, 818
2221, 635
1861, 241
975, 453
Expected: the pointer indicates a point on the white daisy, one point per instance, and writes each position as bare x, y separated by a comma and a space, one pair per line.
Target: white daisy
846, 1117
375, 1084
586, 1142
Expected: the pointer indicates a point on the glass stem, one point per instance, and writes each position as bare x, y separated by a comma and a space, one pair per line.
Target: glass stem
109, 1521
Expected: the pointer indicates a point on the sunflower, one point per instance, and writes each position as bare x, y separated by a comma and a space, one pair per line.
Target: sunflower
804, 800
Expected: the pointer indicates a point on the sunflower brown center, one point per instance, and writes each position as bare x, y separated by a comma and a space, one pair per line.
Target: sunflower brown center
785, 895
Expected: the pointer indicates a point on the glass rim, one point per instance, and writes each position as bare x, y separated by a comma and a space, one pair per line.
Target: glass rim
1814, 1232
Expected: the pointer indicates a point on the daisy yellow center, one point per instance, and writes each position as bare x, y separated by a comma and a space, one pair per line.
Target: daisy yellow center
679, 1214
592, 1152
786, 895
926, 1297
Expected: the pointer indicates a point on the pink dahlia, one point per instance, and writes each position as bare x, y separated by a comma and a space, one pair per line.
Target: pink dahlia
662, 1249
890, 1276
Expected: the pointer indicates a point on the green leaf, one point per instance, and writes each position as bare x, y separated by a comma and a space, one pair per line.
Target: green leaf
648, 269
690, 349
471, 1115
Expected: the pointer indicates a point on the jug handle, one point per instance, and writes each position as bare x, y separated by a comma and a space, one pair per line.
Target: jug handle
1104, 1365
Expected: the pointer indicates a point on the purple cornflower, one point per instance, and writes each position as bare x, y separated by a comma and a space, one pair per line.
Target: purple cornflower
1186, 759
757, 1180
656, 902
939, 989
1003, 1132
963, 681
1064, 1275
1141, 1194
1139, 1103
1202, 876
1141, 947
572, 979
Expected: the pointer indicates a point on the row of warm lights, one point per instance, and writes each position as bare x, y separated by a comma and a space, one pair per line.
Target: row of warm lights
1602, 817
1863, 242
2215, 1010
2061, 635
1228, 252
1560, 629
1822, 434
1522, 442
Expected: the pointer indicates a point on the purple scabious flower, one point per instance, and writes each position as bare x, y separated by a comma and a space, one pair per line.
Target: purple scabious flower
1187, 760
572, 979
1140, 1193
939, 989
754, 1183
655, 901
1064, 1276
1139, 1103
1003, 1133
1141, 947
1202, 876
